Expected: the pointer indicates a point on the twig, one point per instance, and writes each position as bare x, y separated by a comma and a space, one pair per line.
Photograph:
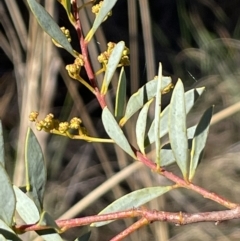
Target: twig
147, 216
182, 183
87, 63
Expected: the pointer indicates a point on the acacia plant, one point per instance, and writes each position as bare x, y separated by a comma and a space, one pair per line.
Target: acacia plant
185, 147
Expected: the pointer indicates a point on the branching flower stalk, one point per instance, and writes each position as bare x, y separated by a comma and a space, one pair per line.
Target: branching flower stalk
54, 126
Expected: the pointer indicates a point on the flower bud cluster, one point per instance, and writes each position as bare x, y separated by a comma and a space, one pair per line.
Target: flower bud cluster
66, 32
49, 124
96, 8
74, 69
104, 57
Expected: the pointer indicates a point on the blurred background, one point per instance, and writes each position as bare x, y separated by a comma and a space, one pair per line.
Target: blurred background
197, 41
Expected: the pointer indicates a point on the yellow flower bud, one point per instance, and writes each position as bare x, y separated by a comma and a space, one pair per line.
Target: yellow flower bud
75, 123
79, 61
33, 116
73, 69
63, 127
49, 118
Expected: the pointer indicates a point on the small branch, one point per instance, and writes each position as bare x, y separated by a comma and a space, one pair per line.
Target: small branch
200, 190
92, 139
147, 216
137, 225
83, 45
84, 49
82, 81
81, 137
77, 222
182, 183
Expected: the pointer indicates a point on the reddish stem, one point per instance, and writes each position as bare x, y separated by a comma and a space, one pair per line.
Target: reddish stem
181, 182
83, 45
84, 49
147, 216
137, 225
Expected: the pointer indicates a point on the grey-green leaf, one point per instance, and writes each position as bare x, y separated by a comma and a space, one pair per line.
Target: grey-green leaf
35, 169
26, 208
141, 125
113, 62
49, 25
7, 198
167, 157
190, 131
166, 153
144, 94
178, 130
50, 234
199, 141
191, 97
105, 9
7, 232
47, 220
2, 155
158, 108
115, 132
133, 200
67, 5
120, 95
